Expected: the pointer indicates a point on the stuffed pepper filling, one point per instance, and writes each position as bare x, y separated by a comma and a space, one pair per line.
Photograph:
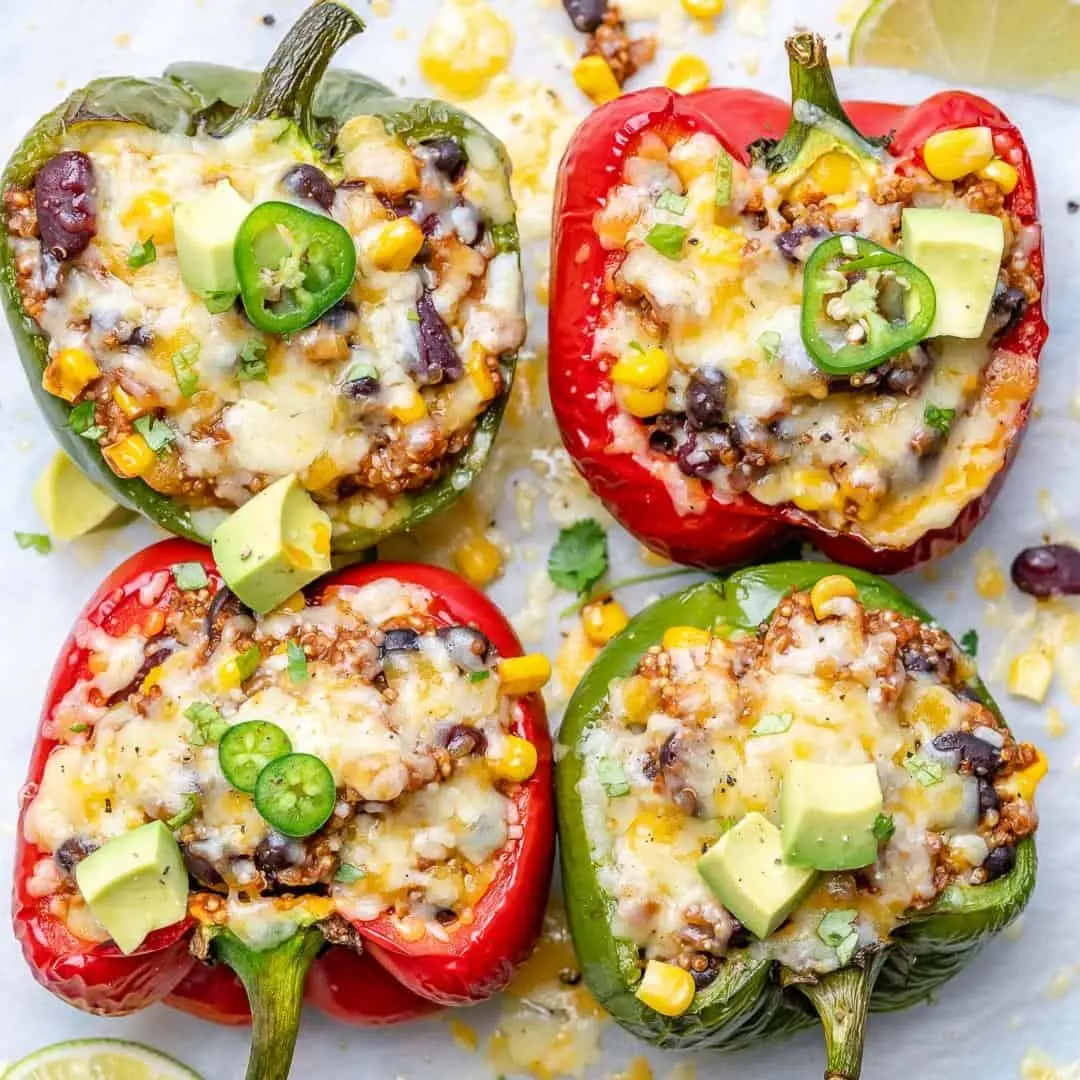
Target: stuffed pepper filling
340, 760
224, 311
832, 337
798, 792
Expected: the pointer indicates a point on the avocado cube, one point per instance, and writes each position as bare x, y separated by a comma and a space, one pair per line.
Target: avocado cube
135, 884
961, 254
274, 544
206, 228
746, 871
827, 815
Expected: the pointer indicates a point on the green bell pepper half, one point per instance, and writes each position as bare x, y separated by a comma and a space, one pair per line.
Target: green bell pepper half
752, 999
197, 98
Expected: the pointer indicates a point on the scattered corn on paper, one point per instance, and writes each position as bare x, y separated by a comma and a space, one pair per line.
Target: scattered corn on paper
513, 63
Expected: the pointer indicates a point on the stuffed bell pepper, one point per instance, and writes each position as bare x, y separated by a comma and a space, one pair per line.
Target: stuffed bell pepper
358, 783
217, 279
786, 794
822, 317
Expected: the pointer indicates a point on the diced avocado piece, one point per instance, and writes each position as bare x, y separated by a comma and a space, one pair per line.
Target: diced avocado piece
746, 870
961, 254
69, 504
827, 815
273, 545
135, 884
206, 228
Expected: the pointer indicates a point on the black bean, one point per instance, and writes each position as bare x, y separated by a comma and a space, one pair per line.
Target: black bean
704, 969
165, 647
740, 936
401, 640
447, 155
467, 647
706, 398
308, 182
915, 660
224, 605
790, 243
650, 765
276, 853
65, 198
463, 741
586, 15
669, 751
141, 338
999, 862
1047, 570
341, 316
202, 870
438, 360
72, 852
445, 916
661, 441
984, 758
988, 797
1007, 309
364, 387
703, 452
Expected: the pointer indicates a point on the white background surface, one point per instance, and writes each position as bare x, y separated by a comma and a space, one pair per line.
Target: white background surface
989, 1016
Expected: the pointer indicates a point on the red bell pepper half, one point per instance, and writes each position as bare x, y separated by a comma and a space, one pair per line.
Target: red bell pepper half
730, 531
393, 979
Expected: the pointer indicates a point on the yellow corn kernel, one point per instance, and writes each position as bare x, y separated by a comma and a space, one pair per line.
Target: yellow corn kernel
575, 656
1001, 173
720, 246
321, 473
466, 46
815, 489
290, 606
69, 372
688, 74
1025, 782
641, 403
524, 674
399, 242
97, 663
704, 9
603, 620
517, 761
151, 215
952, 154
231, 673
639, 699
478, 559
642, 369
130, 457
152, 678
1029, 676
128, 404
832, 174
596, 80
828, 589
476, 367
666, 988
410, 411
685, 637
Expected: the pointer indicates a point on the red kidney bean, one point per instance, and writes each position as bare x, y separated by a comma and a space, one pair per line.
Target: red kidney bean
308, 182
1048, 570
65, 197
586, 15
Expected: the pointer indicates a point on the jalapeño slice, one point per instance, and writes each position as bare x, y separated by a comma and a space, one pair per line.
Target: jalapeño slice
862, 303
296, 794
246, 749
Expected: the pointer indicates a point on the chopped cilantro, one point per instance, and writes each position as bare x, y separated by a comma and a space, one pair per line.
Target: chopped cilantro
479, 676
346, 873
674, 204
156, 432
579, 558
189, 576
939, 419
612, 778
837, 930
667, 239
928, 773
770, 343
191, 804
247, 662
724, 177
252, 359
773, 724
142, 253
81, 421
217, 302
38, 542
185, 363
297, 667
970, 643
412, 315
884, 827
505, 237
79, 728
209, 725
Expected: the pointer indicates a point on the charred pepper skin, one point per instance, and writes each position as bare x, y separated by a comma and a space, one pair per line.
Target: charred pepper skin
742, 529
749, 1001
393, 980
197, 98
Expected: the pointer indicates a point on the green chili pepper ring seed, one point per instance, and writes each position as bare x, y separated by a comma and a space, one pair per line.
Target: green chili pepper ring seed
296, 794
246, 749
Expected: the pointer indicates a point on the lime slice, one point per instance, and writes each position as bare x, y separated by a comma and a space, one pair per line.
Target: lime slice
69, 504
1031, 45
98, 1059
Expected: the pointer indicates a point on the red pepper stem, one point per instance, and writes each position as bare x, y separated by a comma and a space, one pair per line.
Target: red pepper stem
274, 980
289, 80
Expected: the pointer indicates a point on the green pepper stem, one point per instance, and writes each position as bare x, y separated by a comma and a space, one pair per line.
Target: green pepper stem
274, 981
288, 82
842, 1002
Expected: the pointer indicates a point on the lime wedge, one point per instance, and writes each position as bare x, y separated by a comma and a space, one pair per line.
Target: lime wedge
1031, 45
98, 1059
69, 504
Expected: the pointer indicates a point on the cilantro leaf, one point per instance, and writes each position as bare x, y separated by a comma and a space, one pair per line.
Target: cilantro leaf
970, 643
142, 253
247, 662
939, 419
189, 576
773, 724
928, 773
182, 817
579, 558
156, 432
252, 359
674, 204
771, 343
297, 666
724, 179
884, 828
667, 239
209, 724
837, 930
81, 421
185, 363
479, 676
612, 777
29, 541
346, 873
217, 302
505, 237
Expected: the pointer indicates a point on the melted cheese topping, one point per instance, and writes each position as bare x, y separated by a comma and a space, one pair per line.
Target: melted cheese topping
834, 691
868, 459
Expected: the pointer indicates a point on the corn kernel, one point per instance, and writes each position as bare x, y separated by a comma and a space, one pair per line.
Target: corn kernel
1001, 173
290, 606
130, 457
688, 74
152, 678
69, 372
686, 637
666, 988
990, 580
1025, 782
828, 589
596, 80
399, 242
643, 369
815, 489
321, 473
574, 658
833, 174
524, 674
235, 671
478, 559
466, 46
704, 9
1030, 674
603, 620
128, 404
642, 403
950, 155
151, 215
410, 411
478, 371
639, 699
518, 760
